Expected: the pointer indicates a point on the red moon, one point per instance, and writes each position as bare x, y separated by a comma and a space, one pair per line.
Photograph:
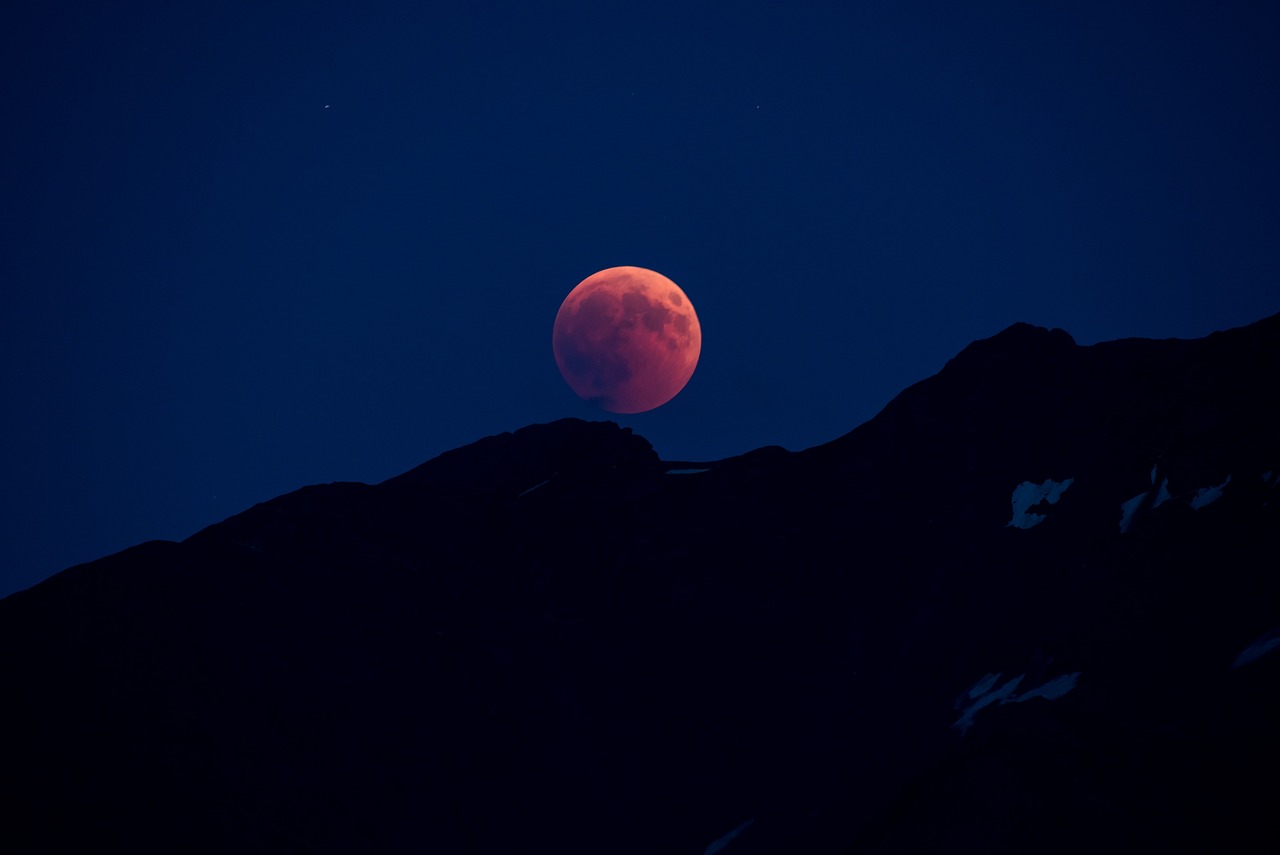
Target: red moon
627, 339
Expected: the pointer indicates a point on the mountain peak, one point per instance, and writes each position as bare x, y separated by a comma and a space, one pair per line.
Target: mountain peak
570, 447
1018, 341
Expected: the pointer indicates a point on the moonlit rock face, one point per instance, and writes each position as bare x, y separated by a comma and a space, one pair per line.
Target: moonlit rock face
627, 339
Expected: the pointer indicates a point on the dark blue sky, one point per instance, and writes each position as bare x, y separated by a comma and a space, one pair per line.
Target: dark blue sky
245, 251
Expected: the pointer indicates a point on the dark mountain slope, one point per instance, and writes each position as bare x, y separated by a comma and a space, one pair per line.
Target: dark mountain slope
1002, 615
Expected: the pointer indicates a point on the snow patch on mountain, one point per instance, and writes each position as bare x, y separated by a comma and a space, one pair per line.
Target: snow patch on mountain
1208, 495
1129, 508
1029, 494
983, 696
984, 693
1050, 691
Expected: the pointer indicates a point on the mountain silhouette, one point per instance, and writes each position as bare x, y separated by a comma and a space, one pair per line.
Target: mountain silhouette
1032, 605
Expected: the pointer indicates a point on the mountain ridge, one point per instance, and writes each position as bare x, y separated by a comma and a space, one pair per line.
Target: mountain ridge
981, 614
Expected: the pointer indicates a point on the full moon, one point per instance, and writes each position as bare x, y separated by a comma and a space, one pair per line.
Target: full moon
627, 339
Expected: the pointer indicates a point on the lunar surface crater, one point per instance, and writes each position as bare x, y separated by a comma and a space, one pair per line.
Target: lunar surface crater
627, 339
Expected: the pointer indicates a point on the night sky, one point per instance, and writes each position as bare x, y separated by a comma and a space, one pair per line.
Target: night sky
246, 251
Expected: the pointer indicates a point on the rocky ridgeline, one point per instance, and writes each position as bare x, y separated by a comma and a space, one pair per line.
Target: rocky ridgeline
1031, 606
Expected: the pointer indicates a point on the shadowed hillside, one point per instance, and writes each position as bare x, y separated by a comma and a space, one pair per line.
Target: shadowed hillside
1031, 606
